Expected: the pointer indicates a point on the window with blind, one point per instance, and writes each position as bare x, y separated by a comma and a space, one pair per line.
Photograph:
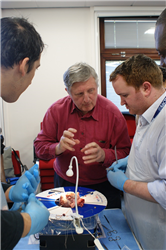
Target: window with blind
120, 38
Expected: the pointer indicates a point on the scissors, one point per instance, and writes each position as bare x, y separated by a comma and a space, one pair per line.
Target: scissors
115, 239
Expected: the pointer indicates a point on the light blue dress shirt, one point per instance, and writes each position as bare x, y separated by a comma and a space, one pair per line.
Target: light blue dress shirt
147, 163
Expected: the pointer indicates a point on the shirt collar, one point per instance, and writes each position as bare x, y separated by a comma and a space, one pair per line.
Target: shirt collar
93, 113
147, 116
73, 107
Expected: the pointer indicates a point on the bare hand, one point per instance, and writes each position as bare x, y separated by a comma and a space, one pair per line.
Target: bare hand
93, 153
67, 141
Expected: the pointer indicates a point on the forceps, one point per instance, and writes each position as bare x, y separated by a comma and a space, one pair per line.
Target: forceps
116, 157
110, 231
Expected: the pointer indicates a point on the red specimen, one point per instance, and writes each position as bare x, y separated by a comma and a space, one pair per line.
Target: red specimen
68, 200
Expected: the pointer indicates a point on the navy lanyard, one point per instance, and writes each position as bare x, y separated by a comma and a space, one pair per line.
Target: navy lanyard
161, 106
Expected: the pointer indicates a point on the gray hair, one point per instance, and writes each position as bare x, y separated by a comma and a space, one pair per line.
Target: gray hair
79, 72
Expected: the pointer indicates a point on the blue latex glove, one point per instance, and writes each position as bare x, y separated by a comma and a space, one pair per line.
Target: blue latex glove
38, 213
121, 165
35, 171
16, 206
25, 185
117, 179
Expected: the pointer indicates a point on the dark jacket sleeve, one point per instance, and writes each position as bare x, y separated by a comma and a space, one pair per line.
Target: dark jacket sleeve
5, 186
12, 226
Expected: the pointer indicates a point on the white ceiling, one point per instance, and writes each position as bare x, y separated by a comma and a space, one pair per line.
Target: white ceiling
79, 3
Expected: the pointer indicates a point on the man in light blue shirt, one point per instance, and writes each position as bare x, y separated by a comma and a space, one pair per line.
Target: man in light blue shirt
138, 81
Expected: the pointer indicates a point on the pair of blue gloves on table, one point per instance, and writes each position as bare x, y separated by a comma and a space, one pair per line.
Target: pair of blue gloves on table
116, 173
23, 191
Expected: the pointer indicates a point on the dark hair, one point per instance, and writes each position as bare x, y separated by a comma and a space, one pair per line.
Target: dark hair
164, 73
19, 40
162, 18
138, 69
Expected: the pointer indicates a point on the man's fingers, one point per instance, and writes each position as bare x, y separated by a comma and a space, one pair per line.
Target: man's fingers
31, 178
28, 187
73, 130
76, 141
88, 146
32, 197
34, 167
89, 158
67, 141
69, 133
36, 175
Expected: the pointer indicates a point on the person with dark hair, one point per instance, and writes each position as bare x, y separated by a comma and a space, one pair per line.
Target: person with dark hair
164, 75
163, 70
3, 178
160, 37
86, 125
139, 83
19, 34
21, 48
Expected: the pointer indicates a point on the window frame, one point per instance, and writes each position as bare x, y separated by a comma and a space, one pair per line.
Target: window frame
112, 54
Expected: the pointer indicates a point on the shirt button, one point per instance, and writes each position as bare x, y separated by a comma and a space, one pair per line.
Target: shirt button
82, 133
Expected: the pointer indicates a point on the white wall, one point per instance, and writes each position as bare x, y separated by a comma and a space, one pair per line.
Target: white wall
69, 39
71, 35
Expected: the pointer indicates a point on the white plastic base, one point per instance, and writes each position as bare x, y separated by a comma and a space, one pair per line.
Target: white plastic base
98, 244
77, 225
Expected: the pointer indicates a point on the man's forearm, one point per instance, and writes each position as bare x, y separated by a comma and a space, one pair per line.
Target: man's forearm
27, 224
139, 189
